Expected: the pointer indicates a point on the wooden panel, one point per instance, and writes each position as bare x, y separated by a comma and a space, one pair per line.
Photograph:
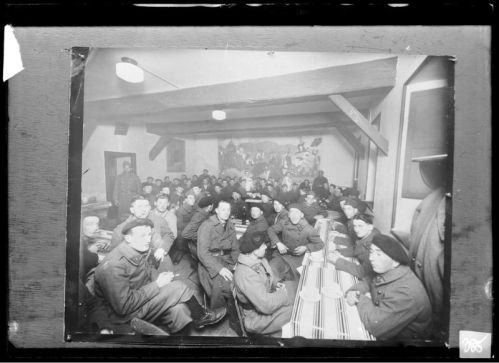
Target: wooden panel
158, 147
38, 155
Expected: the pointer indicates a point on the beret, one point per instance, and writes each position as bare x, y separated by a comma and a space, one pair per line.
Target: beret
356, 203
281, 200
205, 201
392, 248
296, 206
136, 223
252, 241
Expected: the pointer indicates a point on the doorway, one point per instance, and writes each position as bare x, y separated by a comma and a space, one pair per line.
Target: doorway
113, 162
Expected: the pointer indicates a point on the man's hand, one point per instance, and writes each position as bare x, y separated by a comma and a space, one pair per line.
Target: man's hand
368, 294
334, 256
300, 250
164, 278
318, 216
353, 298
226, 274
282, 248
279, 286
159, 254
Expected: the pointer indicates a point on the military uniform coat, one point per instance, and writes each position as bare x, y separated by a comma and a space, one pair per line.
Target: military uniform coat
125, 283
293, 235
126, 186
213, 237
265, 308
399, 308
257, 225
426, 249
275, 218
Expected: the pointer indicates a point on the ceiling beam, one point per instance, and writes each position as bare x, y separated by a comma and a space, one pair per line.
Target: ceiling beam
309, 121
352, 140
158, 147
361, 122
319, 82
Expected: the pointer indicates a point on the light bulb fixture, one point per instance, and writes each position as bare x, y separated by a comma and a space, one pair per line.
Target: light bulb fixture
129, 70
218, 115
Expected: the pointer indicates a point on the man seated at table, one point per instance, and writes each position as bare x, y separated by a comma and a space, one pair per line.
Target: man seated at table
190, 232
238, 206
280, 212
395, 304
266, 204
267, 304
257, 223
218, 250
184, 215
162, 237
311, 209
365, 231
130, 287
297, 238
351, 207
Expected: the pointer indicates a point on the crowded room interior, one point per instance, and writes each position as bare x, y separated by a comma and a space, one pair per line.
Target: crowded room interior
240, 193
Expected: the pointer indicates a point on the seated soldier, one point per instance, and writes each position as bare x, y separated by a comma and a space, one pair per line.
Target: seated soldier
365, 231
178, 194
128, 285
311, 209
190, 232
395, 304
297, 238
218, 250
351, 207
184, 215
267, 304
162, 204
257, 223
162, 238
267, 206
280, 213
147, 193
237, 206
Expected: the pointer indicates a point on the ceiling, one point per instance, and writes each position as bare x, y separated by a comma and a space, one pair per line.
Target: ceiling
187, 68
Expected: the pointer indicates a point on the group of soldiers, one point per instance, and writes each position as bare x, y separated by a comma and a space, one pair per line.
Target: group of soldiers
137, 283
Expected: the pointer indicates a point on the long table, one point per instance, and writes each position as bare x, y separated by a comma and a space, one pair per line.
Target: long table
330, 317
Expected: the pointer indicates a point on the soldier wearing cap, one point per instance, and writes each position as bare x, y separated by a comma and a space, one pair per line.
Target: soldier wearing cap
280, 212
190, 232
162, 204
126, 186
130, 287
267, 304
257, 223
311, 209
162, 237
394, 305
297, 238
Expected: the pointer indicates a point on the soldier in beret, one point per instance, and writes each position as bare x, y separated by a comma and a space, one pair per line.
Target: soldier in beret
190, 232
257, 223
394, 305
267, 304
297, 238
130, 287
311, 209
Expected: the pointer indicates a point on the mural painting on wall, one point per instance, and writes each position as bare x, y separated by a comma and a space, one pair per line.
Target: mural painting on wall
270, 157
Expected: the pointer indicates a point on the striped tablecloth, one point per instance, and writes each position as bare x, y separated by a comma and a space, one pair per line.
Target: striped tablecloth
329, 317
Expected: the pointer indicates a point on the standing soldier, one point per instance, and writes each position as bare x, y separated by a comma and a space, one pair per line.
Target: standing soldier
127, 185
